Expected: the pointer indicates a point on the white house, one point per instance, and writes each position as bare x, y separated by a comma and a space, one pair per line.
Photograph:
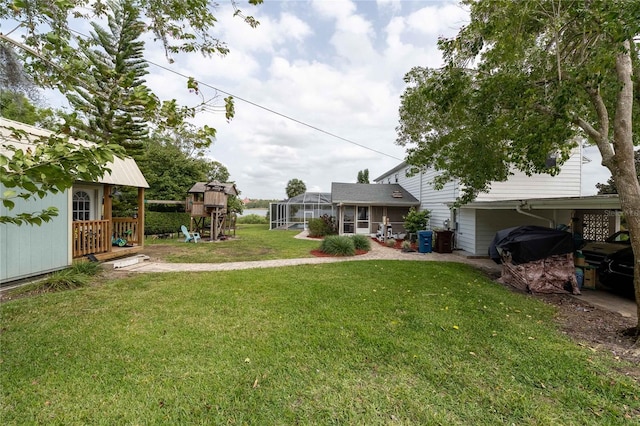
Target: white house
84, 225
521, 200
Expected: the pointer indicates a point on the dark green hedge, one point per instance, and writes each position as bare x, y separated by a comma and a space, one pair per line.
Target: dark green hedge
164, 222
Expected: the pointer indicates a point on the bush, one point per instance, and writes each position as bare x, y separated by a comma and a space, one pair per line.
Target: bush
65, 279
361, 242
164, 222
416, 221
87, 268
390, 242
252, 219
322, 226
338, 245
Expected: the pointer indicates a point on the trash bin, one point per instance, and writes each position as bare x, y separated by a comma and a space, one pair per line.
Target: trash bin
444, 242
425, 241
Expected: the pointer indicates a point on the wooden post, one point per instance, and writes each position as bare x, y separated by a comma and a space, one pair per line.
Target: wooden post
141, 217
212, 227
108, 213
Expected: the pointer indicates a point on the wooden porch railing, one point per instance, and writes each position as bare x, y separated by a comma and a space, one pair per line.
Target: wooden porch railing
127, 228
93, 237
90, 236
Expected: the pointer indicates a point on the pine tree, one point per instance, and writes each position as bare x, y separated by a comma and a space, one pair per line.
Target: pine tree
117, 111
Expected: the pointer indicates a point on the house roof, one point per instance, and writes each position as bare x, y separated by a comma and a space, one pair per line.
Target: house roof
395, 169
124, 171
371, 194
200, 187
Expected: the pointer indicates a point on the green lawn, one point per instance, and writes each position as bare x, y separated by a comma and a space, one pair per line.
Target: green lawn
371, 342
252, 242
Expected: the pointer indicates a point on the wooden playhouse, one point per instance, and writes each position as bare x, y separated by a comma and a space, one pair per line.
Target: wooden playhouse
207, 204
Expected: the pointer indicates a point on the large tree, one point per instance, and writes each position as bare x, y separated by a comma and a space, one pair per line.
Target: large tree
363, 176
115, 103
51, 59
295, 187
524, 80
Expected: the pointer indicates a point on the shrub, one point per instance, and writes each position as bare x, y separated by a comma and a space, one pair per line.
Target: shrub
87, 268
361, 242
164, 222
252, 219
64, 280
324, 225
390, 242
416, 221
338, 246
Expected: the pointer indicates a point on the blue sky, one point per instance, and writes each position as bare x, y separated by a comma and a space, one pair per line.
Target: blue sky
334, 65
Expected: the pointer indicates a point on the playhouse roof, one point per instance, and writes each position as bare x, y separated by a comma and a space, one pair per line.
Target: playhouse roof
200, 187
124, 171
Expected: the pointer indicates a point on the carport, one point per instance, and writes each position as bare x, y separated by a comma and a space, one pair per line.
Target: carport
591, 217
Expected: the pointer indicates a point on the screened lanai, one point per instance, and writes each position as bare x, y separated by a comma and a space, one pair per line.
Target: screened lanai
295, 212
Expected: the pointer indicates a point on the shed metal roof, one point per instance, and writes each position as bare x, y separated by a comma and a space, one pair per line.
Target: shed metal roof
371, 194
124, 171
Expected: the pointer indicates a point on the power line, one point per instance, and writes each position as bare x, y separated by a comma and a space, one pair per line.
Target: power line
295, 120
209, 108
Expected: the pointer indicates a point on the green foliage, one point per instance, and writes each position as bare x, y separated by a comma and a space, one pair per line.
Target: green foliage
53, 56
390, 242
322, 226
361, 242
539, 79
259, 204
295, 187
51, 165
15, 106
416, 220
363, 176
169, 172
75, 277
164, 222
252, 219
113, 104
338, 245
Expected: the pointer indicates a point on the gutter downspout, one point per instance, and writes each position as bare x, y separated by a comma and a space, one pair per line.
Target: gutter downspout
551, 221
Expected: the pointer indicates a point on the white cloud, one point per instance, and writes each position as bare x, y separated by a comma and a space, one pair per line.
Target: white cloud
333, 65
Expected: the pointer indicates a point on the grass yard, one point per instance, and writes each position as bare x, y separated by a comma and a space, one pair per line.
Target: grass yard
371, 342
252, 242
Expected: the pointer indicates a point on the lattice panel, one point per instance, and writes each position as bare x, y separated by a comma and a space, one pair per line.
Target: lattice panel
595, 226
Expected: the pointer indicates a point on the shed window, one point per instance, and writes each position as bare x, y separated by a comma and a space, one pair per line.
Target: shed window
81, 206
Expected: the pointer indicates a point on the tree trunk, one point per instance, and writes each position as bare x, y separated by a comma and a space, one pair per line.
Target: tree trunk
622, 165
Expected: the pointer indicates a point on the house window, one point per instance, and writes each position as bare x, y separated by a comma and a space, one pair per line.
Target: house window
396, 177
81, 206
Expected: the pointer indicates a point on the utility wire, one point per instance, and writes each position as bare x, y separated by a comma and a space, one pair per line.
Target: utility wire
295, 120
287, 117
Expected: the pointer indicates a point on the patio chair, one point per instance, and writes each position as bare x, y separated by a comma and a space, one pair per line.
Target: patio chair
189, 236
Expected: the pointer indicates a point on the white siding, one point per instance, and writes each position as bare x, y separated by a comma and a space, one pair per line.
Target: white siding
567, 183
465, 236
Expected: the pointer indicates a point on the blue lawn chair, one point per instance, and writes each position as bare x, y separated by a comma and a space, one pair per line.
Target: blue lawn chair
189, 236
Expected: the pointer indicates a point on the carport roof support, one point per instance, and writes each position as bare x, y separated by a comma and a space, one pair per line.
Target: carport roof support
593, 202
